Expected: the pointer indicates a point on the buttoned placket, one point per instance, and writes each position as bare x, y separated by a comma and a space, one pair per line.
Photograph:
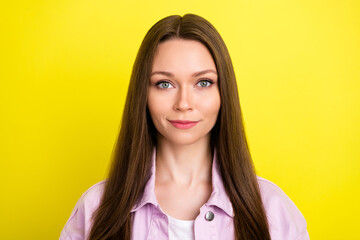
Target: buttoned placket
159, 224
206, 220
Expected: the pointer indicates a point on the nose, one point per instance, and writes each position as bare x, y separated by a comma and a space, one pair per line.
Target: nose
184, 101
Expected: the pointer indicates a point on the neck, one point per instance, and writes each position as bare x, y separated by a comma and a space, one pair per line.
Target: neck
185, 165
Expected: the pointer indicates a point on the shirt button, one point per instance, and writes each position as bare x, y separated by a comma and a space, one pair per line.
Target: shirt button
209, 216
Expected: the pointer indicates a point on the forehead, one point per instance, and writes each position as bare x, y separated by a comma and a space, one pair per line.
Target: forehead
182, 55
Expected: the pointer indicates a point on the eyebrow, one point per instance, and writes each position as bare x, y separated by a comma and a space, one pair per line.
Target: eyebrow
196, 74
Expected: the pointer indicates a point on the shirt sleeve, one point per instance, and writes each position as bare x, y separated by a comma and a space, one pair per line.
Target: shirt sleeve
79, 224
286, 222
74, 228
304, 236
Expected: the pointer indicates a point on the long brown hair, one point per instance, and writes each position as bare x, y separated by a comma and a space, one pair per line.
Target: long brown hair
137, 138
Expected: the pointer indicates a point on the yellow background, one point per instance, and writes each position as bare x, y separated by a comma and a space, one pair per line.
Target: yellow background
65, 67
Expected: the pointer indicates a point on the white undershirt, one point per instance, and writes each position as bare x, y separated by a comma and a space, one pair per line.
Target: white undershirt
181, 229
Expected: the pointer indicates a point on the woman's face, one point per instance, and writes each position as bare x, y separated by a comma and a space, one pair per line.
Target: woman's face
184, 98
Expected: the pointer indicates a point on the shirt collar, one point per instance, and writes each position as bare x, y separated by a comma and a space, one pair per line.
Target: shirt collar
218, 197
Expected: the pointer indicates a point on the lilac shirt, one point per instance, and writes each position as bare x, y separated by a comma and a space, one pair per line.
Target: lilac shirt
149, 222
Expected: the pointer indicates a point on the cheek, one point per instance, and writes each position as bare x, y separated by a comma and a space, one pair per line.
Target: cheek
211, 104
153, 107
157, 106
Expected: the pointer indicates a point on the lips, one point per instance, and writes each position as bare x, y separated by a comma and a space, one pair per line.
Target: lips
183, 124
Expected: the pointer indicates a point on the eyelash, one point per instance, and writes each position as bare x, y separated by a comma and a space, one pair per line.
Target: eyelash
202, 80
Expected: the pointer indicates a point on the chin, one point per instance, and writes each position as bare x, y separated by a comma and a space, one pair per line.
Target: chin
185, 139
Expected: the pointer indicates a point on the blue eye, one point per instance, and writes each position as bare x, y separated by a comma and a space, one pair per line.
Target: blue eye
204, 83
164, 85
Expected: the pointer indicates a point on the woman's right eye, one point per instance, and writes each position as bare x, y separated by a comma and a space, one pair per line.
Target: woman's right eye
164, 85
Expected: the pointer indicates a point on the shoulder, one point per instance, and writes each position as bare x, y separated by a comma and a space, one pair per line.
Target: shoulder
79, 223
90, 199
93, 195
285, 219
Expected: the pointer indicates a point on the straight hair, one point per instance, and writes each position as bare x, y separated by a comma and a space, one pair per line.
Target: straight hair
131, 163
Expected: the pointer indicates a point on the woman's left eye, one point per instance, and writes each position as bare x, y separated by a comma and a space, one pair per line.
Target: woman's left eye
204, 83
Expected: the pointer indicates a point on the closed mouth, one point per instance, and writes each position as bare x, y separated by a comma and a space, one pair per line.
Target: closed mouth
183, 124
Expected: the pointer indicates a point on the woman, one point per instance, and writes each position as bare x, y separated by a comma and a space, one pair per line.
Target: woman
182, 168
